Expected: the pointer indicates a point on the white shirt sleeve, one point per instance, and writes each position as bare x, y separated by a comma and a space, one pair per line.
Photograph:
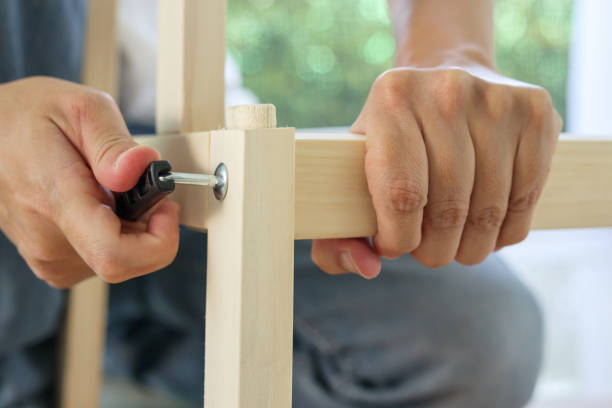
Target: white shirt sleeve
137, 36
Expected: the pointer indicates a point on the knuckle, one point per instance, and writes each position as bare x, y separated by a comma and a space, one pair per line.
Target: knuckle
470, 259
514, 237
107, 268
433, 260
405, 200
40, 250
450, 88
402, 196
110, 275
41, 270
41, 273
85, 105
525, 202
390, 248
487, 219
450, 214
540, 106
392, 89
498, 101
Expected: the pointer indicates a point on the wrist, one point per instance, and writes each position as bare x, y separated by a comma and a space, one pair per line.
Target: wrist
465, 55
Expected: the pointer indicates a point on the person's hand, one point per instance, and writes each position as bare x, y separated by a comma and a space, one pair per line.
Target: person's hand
63, 147
455, 160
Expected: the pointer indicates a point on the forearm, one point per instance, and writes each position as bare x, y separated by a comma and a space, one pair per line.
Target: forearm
443, 32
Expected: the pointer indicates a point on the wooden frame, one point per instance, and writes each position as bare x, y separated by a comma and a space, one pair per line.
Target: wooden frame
332, 199
84, 334
284, 186
249, 286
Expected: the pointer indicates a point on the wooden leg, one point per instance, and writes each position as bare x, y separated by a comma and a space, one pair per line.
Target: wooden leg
84, 333
190, 65
83, 341
249, 293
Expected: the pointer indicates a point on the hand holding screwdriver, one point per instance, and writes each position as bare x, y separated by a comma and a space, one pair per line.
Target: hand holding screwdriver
60, 142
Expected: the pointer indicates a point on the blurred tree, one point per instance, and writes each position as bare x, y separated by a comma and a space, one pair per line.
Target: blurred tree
316, 59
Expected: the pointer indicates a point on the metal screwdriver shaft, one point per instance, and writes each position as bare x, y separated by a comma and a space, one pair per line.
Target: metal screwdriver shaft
205, 180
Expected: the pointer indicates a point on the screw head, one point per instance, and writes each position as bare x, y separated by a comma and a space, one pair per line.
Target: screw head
220, 189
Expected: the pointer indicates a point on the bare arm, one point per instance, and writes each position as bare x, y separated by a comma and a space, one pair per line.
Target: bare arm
442, 32
456, 153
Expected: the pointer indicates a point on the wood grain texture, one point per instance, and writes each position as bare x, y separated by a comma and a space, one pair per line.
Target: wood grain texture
83, 341
261, 116
190, 66
332, 199
84, 332
100, 54
578, 193
187, 153
249, 288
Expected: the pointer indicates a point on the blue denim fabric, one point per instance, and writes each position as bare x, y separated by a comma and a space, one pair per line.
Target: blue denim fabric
455, 337
30, 314
37, 37
41, 37
414, 337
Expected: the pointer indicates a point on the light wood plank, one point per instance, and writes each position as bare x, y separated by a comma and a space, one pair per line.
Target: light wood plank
83, 343
249, 295
251, 116
187, 153
100, 54
331, 193
190, 66
84, 332
332, 200
578, 193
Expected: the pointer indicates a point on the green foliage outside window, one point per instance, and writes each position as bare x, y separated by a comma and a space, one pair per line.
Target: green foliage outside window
316, 59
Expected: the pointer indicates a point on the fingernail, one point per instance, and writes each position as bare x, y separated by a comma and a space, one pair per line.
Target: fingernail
347, 263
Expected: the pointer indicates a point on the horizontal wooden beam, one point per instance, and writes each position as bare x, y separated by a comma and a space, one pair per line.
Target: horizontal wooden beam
332, 199
187, 153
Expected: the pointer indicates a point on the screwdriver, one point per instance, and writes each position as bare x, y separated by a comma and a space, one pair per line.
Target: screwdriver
157, 181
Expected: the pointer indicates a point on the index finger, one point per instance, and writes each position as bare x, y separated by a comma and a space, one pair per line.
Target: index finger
397, 175
96, 233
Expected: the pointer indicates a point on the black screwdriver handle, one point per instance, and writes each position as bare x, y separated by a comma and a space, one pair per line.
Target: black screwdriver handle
149, 190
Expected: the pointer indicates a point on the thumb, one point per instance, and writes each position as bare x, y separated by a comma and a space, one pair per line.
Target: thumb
353, 255
103, 139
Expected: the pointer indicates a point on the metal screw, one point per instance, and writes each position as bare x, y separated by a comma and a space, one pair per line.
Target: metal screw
220, 188
218, 181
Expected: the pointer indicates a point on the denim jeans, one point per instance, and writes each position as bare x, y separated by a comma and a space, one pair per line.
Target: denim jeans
413, 337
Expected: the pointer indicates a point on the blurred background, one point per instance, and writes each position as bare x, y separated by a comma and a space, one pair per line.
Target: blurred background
316, 59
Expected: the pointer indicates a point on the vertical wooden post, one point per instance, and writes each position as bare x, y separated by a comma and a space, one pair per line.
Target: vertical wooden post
190, 77
84, 331
249, 288
190, 65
